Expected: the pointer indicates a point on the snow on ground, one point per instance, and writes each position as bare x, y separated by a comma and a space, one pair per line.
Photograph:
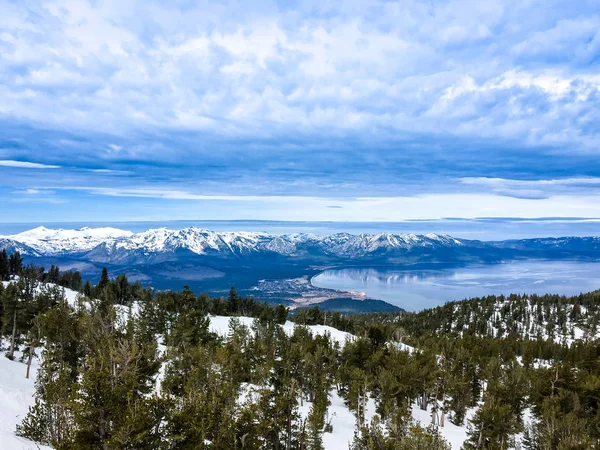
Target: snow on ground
70, 295
402, 347
457, 435
162, 350
220, 325
16, 395
454, 434
343, 422
500, 322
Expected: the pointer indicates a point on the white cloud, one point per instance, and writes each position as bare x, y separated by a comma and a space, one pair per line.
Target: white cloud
26, 165
183, 195
111, 171
593, 181
535, 189
429, 206
452, 67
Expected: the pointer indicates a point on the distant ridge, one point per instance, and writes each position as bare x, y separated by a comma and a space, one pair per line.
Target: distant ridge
113, 245
200, 241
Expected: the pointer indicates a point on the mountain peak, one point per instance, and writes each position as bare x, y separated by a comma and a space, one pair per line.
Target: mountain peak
202, 241
53, 241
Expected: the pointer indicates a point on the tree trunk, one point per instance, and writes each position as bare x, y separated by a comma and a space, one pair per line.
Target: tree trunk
423, 402
358, 406
31, 347
364, 400
443, 415
288, 445
11, 352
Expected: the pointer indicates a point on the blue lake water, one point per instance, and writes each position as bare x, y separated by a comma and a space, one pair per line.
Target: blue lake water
418, 289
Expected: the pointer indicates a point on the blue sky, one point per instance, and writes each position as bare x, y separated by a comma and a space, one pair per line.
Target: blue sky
325, 110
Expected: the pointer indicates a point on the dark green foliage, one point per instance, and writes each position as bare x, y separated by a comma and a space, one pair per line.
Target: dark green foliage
105, 383
15, 264
409, 437
88, 289
281, 314
4, 265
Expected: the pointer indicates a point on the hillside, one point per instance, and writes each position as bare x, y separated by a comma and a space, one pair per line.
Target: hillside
200, 372
563, 320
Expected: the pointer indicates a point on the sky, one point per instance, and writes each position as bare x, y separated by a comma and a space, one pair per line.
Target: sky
299, 110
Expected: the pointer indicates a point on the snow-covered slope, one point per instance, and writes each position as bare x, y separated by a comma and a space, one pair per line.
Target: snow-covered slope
220, 325
16, 395
196, 240
338, 415
527, 317
69, 295
12, 246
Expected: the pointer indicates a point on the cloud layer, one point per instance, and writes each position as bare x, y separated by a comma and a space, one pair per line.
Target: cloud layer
495, 103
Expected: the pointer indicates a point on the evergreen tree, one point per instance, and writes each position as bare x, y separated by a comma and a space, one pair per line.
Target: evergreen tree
103, 284
234, 301
493, 427
10, 312
15, 264
281, 314
4, 265
123, 290
88, 289
49, 420
111, 409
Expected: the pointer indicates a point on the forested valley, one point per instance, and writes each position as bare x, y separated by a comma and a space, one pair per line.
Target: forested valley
122, 366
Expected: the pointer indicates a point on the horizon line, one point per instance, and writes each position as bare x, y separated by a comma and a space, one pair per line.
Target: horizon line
447, 219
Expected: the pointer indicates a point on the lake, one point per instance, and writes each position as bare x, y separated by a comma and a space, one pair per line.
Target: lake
413, 290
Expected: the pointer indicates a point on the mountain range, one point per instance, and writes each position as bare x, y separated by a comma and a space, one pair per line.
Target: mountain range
115, 244
112, 245
214, 261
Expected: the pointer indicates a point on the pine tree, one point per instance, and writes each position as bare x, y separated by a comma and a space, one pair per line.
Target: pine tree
105, 292
123, 290
17, 300
110, 409
459, 387
493, 427
49, 419
281, 314
234, 301
88, 289
15, 264
4, 266
316, 418
53, 274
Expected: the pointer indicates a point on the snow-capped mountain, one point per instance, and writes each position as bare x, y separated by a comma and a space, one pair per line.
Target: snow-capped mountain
348, 245
47, 241
122, 247
12, 246
112, 242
